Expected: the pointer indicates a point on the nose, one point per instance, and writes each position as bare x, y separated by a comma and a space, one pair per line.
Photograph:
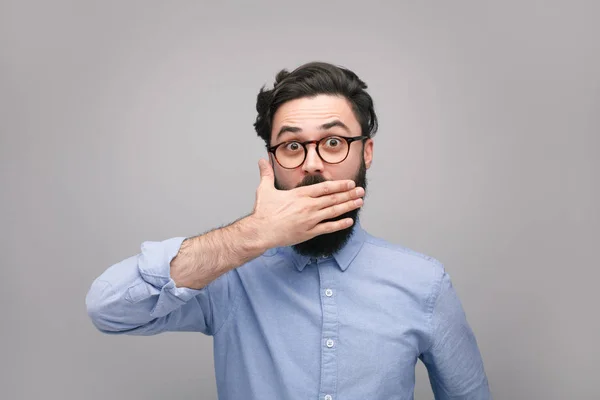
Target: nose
312, 163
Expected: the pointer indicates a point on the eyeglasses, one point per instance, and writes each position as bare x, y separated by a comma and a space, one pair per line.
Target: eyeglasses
331, 149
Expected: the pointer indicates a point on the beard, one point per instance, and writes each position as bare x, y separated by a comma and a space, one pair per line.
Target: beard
329, 243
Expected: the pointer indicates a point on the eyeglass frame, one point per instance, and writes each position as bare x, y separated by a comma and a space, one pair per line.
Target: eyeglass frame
349, 140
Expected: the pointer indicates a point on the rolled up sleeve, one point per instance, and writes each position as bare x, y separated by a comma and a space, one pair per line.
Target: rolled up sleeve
138, 296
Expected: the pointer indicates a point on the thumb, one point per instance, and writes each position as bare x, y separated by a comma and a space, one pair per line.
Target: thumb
266, 172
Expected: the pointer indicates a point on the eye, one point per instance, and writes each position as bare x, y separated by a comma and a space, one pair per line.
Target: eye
293, 146
332, 142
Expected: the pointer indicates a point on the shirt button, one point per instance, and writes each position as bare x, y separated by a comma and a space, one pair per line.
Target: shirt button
328, 397
329, 343
328, 292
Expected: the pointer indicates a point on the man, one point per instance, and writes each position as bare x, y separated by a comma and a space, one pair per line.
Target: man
301, 301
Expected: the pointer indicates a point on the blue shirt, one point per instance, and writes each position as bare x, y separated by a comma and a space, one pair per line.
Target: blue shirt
285, 326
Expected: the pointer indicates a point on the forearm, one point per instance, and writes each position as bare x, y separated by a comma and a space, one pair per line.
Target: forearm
202, 259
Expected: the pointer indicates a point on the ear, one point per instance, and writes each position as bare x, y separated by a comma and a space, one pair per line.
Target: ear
272, 160
368, 152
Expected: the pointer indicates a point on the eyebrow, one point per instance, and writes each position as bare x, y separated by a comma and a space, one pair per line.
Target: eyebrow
324, 127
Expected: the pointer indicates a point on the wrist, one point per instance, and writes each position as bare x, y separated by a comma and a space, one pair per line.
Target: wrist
253, 232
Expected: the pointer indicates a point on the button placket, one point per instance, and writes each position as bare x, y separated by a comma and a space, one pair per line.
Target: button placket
329, 332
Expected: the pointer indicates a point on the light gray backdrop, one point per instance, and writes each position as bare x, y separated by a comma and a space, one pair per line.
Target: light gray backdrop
125, 121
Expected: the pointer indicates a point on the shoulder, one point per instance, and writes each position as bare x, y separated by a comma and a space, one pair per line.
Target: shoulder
403, 261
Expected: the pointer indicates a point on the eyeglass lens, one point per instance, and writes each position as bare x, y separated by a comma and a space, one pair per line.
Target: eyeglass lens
332, 150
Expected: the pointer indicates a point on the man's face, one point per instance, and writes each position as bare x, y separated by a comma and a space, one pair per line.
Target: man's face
304, 119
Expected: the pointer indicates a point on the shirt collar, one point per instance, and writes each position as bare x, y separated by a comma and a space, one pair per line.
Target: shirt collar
343, 257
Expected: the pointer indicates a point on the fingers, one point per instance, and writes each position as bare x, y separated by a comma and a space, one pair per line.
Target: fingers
332, 226
266, 172
338, 198
325, 188
338, 209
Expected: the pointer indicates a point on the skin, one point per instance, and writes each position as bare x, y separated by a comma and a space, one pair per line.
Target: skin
307, 115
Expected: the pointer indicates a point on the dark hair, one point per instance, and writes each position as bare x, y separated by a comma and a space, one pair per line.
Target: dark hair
310, 80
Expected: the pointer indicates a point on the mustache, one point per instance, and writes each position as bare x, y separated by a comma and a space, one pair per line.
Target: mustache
311, 180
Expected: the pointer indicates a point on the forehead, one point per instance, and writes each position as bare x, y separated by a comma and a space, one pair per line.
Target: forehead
309, 113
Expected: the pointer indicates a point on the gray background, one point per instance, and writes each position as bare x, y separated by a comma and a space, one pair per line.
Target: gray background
125, 121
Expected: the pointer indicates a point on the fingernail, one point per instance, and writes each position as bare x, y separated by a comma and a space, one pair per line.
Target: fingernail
360, 191
351, 184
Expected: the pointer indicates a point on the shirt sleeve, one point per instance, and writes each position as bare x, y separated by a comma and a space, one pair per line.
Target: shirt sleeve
137, 296
453, 360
